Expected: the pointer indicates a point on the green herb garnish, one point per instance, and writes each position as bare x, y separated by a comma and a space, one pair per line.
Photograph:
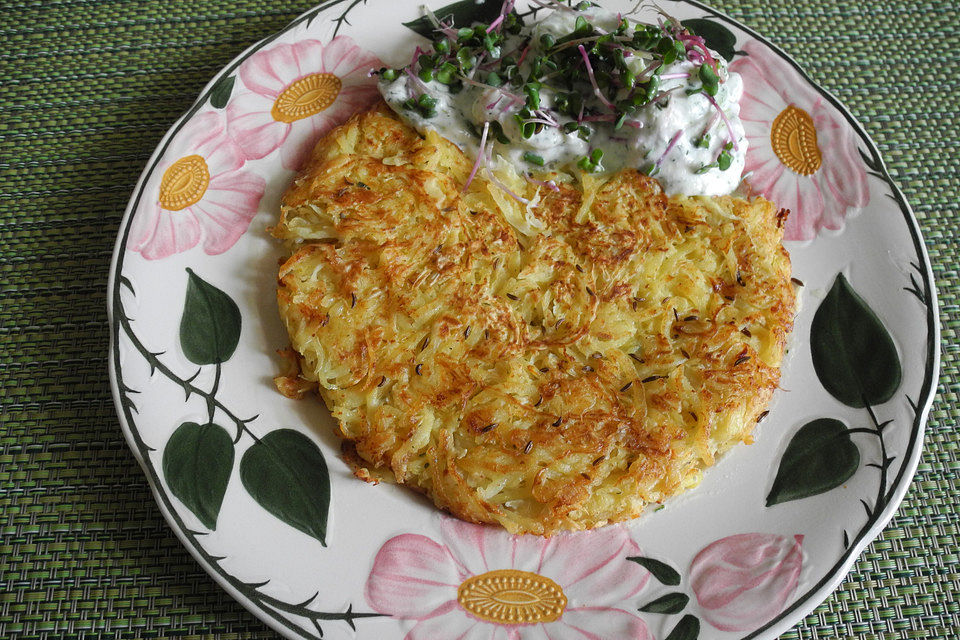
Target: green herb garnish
708, 77
533, 158
589, 75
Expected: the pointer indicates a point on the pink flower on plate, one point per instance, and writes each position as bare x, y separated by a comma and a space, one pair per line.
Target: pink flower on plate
743, 581
481, 583
197, 193
802, 153
297, 92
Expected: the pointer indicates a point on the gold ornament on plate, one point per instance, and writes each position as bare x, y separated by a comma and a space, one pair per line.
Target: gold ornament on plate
509, 596
306, 97
184, 183
794, 140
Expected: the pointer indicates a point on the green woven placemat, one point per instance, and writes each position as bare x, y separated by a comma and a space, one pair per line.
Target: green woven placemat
88, 88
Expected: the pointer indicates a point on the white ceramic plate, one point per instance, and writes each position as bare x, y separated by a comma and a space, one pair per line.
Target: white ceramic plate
252, 483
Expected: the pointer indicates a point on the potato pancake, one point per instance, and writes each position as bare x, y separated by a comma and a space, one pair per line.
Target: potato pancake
538, 356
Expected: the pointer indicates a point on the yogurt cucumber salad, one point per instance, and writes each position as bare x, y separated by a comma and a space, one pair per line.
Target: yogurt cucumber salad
579, 87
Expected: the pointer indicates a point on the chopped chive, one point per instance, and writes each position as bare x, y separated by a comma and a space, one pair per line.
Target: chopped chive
533, 158
705, 168
650, 169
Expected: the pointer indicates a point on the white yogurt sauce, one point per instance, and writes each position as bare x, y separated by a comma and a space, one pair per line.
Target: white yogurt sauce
661, 138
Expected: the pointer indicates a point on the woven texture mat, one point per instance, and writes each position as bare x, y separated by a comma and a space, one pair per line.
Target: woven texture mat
88, 88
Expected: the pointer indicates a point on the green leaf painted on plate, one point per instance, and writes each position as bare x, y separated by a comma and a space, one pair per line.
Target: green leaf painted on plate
210, 326
286, 474
687, 629
197, 461
220, 94
464, 14
820, 457
853, 354
670, 603
717, 36
661, 571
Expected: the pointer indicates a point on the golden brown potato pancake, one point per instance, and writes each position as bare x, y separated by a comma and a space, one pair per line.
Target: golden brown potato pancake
557, 365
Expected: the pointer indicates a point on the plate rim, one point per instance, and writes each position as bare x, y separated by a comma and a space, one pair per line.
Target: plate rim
801, 605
